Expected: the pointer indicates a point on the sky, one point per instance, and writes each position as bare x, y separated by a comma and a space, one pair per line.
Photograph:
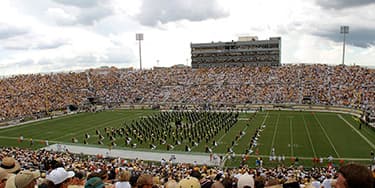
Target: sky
41, 36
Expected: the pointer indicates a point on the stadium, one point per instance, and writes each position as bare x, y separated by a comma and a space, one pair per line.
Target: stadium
246, 113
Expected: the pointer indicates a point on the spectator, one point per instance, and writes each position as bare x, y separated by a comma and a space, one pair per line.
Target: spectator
246, 180
217, 184
189, 182
59, 178
354, 176
123, 179
176, 174
10, 165
145, 181
94, 182
3, 177
36, 95
327, 183
24, 179
171, 184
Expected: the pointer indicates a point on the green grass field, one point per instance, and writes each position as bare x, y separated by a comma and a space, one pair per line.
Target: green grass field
301, 134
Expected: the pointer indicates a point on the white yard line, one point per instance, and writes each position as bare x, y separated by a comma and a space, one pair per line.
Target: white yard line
265, 118
325, 133
359, 133
275, 131
221, 138
308, 135
91, 128
291, 136
366, 129
244, 130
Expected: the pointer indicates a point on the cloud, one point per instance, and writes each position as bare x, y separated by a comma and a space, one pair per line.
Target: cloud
91, 15
79, 3
9, 31
57, 60
154, 12
342, 4
112, 56
326, 24
33, 42
85, 12
361, 37
20, 63
60, 16
26, 62
49, 44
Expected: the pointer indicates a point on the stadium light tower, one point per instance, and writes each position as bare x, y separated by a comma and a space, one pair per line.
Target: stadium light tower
344, 30
139, 38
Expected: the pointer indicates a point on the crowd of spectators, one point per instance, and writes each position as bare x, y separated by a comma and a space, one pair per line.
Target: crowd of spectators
350, 86
21, 168
25, 95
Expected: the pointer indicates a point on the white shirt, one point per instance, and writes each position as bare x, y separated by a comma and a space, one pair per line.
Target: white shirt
315, 184
122, 184
327, 183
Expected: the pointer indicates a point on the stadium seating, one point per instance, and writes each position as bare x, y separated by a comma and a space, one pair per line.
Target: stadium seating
34, 95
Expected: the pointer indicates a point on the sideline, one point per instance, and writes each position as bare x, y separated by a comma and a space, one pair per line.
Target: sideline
181, 157
132, 154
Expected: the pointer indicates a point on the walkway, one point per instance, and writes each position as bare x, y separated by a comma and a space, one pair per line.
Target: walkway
133, 154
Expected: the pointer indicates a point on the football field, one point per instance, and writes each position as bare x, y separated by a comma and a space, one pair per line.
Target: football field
292, 134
